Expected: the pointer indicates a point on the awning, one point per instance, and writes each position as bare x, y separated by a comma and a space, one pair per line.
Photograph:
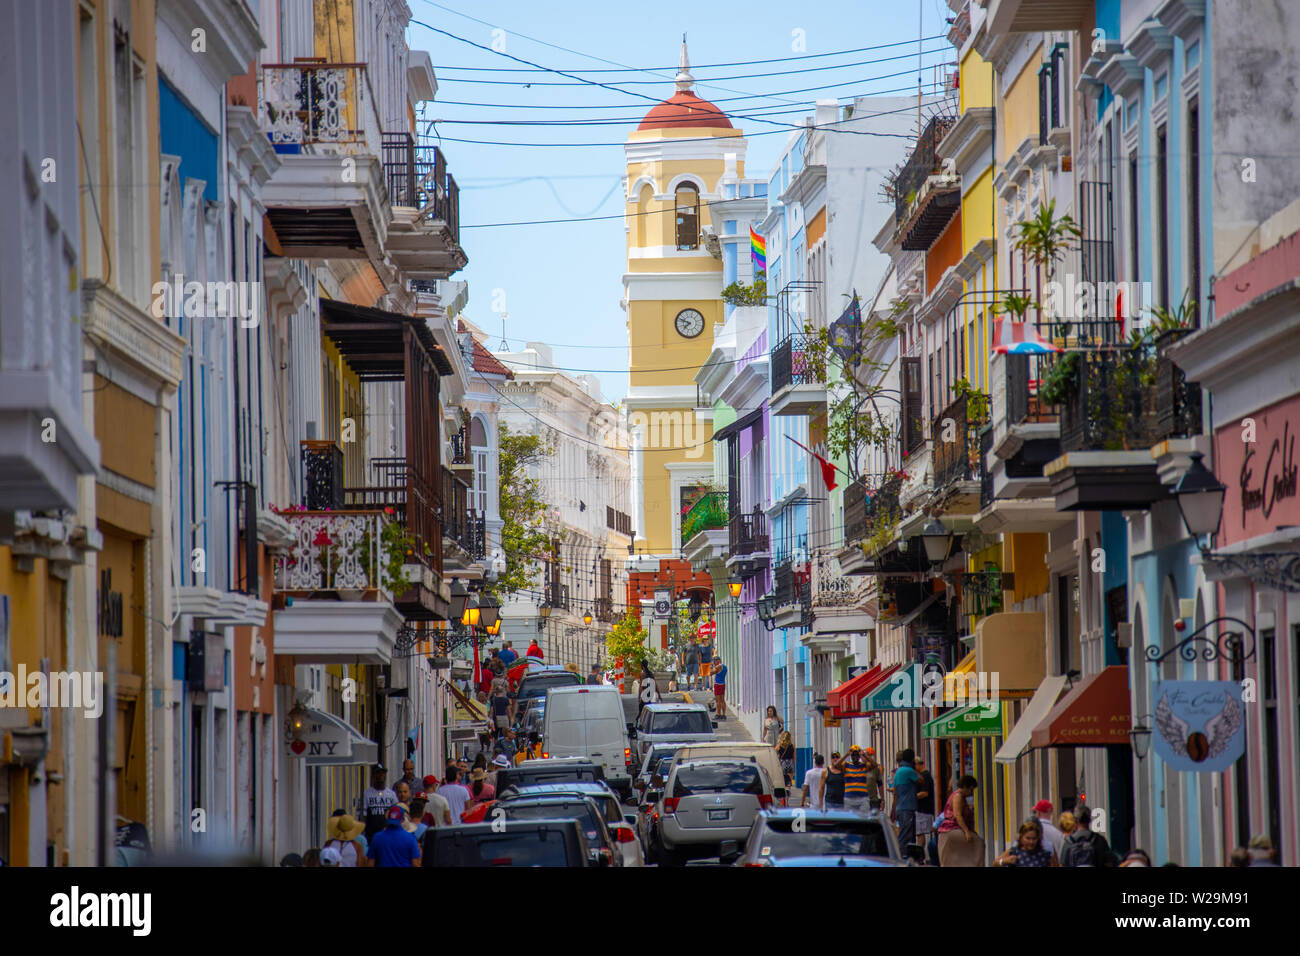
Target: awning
836, 696
330, 741
977, 720
899, 690
851, 703
1096, 712
465, 702
966, 666
1040, 704
917, 611
739, 425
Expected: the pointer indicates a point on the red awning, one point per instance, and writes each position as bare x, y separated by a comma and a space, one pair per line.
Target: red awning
853, 701
1093, 713
835, 698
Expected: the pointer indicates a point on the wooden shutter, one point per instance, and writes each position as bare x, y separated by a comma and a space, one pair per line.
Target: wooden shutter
913, 431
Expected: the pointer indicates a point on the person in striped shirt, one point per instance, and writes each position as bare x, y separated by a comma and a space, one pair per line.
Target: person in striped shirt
856, 781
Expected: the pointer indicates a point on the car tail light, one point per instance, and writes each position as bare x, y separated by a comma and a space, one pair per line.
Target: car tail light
670, 804
625, 835
765, 800
753, 864
627, 755
545, 755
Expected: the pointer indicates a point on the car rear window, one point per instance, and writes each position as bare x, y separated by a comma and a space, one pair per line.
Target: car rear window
828, 838
581, 812
559, 775
718, 778
539, 685
659, 761
544, 847
681, 722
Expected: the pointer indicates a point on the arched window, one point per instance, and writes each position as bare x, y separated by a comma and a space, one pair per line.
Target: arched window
688, 216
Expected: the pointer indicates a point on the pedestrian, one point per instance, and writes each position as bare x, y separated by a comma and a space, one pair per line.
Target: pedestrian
455, 793
1084, 847
959, 844
495, 664
414, 823
342, 831
534, 650
1261, 851
1137, 858
691, 661
785, 756
906, 785
407, 777
1029, 849
312, 857
437, 813
857, 782
875, 779
1065, 823
500, 761
499, 707
594, 677
376, 801
1052, 836
480, 791
772, 726
812, 784
507, 654
707, 664
647, 689
402, 791
329, 856
924, 802
393, 846
1240, 858
832, 788
719, 672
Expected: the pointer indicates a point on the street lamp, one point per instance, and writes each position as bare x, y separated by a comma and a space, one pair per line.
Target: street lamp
937, 540
489, 611
734, 584
767, 611
586, 618
1199, 495
1140, 735
459, 598
494, 628
470, 617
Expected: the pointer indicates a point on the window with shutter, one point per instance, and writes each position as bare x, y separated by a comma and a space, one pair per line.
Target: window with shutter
912, 433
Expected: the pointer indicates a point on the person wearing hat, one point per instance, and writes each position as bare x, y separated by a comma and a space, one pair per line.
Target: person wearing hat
480, 791
437, 811
393, 846
343, 833
594, 677
498, 762
1052, 836
857, 783
329, 856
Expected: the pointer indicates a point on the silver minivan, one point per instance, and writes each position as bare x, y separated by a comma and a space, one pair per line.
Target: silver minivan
682, 723
705, 802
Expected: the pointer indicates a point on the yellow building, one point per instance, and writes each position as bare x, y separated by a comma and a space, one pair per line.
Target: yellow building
675, 161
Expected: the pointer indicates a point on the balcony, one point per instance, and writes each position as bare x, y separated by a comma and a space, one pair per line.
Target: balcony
557, 596
790, 581
871, 517
317, 116
458, 445
1033, 16
956, 458
463, 531
618, 522
925, 197
1118, 403
332, 594
797, 381
1025, 432
605, 610
747, 536
424, 236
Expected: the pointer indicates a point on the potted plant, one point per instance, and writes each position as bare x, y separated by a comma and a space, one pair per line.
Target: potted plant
1061, 383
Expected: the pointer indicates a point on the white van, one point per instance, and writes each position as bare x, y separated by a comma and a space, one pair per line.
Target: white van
588, 722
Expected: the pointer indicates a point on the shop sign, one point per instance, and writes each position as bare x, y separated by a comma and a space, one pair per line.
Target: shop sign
1200, 725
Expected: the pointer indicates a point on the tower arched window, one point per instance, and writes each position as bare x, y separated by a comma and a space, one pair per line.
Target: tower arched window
687, 204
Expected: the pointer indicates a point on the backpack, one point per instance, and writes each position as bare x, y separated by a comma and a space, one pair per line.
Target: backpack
1080, 851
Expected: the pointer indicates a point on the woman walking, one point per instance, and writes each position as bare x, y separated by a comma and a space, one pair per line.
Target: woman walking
959, 844
833, 784
772, 726
1029, 849
785, 754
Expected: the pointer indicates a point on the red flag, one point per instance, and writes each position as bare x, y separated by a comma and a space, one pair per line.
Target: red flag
478, 677
828, 467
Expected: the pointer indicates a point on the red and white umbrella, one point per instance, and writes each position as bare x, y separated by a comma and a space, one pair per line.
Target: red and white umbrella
1019, 338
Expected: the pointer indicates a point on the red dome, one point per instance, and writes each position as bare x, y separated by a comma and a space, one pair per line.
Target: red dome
685, 110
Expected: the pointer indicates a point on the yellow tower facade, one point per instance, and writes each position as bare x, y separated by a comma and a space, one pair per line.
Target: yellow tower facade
676, 160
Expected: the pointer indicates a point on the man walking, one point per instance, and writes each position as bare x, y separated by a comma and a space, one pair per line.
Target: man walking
856, 783
507, 654
924, 802
393, 846
594, 677
456, 794
691, 663
1083, 847
906, 785
719, 687
812, 784
408, 776
437, 812
706, 663
1052, 836
376, 801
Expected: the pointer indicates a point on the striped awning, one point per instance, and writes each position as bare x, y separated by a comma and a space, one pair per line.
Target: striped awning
1018, 338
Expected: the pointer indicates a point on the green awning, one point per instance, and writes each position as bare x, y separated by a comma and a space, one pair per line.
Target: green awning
897, 692
976, 720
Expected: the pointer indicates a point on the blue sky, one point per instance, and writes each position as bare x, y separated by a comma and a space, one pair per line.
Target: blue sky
561, 283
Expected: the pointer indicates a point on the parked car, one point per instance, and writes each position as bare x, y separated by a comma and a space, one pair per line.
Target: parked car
706, 802
765, 754
538, 679
654, 763
827, 838
512, 843
621, 824
529, 715
658, 722
552, 770
588, 722
565, 806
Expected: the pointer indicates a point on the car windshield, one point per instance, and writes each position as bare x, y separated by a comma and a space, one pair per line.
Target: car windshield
718, 778
582, 812
544, 847
823, 838
680, 722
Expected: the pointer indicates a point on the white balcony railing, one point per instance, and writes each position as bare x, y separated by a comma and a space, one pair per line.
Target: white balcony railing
333, 551
313, 105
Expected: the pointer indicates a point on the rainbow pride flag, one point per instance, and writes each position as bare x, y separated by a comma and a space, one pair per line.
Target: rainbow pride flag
757, 250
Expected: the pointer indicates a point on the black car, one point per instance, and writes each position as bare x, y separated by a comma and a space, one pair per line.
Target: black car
512, 843
553, 770
575, 806
797, 837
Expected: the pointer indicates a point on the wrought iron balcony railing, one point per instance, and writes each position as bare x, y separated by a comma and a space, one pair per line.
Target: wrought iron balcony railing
605, 610
417, 177
790, 580
709, 512
333, 551
1126, 399
986, 477
855, 512
793, 362
557, 595
956, 444
747, 532
1024, 375
923, 163
312, 104
459, 445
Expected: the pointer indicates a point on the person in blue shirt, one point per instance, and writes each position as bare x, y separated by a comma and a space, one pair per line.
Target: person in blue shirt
393, 846
720, 688
905, 787
508, 655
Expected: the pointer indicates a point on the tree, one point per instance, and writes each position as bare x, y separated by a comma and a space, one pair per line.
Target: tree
524, 538
627, 640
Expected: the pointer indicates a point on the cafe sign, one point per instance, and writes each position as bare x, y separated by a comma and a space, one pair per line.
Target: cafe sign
1256, 458
1200, 725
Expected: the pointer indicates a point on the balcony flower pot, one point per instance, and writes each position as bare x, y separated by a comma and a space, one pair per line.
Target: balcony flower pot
351, 594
